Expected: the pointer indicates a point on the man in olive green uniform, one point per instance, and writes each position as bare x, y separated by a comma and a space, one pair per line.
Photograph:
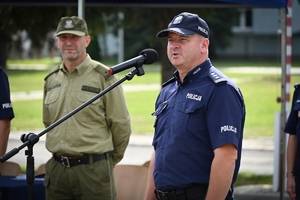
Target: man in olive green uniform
89, 144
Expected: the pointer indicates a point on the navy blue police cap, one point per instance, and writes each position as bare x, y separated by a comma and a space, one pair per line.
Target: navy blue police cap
186, 24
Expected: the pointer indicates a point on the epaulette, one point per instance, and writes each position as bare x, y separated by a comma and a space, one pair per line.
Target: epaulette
218, 79
102, 69
297, 85
54, 70
168, 81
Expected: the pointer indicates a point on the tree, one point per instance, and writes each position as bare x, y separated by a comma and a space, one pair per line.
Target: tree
30, 19
142, 25
38, 21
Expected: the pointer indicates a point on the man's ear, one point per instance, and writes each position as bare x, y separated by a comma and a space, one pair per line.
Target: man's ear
87, 41
205, 44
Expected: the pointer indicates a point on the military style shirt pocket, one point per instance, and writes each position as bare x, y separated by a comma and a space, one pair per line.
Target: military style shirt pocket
51, 97
91, 111
51, 102
187, 115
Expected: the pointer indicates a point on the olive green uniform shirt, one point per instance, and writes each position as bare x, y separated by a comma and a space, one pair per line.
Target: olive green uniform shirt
102, 126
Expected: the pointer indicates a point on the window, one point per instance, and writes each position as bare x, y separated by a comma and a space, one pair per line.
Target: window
244, 22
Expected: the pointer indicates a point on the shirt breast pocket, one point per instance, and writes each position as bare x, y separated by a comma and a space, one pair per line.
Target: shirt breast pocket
188, 118
90, 112
297, 107
51, 102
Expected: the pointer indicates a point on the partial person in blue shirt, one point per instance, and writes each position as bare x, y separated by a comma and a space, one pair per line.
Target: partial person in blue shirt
292, 127
6, 111
200, 115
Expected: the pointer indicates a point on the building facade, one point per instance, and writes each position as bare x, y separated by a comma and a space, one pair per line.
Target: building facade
257, 35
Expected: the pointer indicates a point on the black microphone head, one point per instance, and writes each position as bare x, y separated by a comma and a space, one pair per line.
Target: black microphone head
150, 56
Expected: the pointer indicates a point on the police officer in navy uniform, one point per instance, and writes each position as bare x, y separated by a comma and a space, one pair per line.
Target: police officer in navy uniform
6, 111
292, 127
199, 124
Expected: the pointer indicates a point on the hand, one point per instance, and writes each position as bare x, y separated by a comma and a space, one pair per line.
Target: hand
291, 186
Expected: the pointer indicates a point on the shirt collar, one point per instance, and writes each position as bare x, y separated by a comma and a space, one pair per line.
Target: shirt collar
195, 72
81, 67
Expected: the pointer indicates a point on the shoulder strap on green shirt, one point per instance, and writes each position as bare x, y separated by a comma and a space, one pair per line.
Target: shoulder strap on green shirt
54, 70
102, 69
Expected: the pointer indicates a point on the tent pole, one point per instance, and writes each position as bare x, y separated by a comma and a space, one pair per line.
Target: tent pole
286, 78
283, 106
81, 7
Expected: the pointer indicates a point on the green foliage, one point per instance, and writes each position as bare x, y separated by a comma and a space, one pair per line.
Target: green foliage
30, 19
93, 49
141, 26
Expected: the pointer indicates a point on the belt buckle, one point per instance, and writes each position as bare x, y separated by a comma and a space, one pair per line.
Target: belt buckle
65, 161
162, 194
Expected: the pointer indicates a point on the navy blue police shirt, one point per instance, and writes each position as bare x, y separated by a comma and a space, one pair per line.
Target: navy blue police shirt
6, 110
194, 118
292, 125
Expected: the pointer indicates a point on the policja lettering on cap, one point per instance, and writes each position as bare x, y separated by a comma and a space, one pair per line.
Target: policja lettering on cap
186, 24
72, 25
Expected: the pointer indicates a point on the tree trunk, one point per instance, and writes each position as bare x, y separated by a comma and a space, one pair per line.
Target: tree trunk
4, 48
167, 68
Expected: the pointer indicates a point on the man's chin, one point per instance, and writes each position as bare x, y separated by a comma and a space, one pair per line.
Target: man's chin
70, 56
175, 62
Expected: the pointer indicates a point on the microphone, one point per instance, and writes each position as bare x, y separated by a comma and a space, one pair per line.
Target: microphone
147, 56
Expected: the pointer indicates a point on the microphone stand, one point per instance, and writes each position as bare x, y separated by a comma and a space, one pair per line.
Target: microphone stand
31, 139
